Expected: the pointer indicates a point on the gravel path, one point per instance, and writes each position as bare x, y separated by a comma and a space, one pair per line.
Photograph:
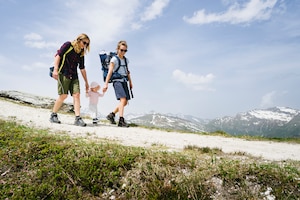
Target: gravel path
133, 136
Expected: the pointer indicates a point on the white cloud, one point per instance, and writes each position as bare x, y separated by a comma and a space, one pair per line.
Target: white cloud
150, 13
33, 36
35, 40
250, 11
136, 26
103, 20
272, 98
268, 99
154, 10
40, 44
37, 65
194, 81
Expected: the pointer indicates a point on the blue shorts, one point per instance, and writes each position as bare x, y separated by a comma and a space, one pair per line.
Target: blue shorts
121, 90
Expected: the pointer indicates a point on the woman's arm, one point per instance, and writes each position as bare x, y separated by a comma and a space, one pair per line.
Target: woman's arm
56, 66
110, 71
83, 73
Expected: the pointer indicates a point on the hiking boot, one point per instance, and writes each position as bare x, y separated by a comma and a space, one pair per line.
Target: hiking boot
111, 118
95, 121
54, 118
122, 123
79, 122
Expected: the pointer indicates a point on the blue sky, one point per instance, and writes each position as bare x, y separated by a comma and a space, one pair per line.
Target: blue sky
207, 58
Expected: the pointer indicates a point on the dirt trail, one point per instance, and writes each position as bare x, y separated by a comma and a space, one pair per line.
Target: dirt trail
134, 136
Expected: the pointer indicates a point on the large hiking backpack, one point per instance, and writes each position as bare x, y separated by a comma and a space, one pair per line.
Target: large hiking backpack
105, 61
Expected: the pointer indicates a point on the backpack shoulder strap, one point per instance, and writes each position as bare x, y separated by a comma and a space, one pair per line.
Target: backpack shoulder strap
126, 66
119, 62
64, 57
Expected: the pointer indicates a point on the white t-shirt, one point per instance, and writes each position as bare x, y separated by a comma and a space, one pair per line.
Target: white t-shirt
122, 70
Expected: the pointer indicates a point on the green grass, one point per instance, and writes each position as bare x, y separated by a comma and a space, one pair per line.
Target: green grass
38, 165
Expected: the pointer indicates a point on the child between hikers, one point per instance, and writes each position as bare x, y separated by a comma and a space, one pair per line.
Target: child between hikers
94, 95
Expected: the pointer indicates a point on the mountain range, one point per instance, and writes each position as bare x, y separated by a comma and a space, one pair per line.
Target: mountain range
279, 122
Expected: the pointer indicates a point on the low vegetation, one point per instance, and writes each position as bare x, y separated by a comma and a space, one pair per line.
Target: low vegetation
38, 165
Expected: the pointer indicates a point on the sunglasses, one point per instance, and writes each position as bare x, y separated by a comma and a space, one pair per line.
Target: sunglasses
85, 43
123, 50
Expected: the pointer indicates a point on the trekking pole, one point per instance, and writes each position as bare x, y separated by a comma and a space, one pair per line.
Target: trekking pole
131, 93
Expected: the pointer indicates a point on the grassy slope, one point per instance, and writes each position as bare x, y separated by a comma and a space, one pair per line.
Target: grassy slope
37, 165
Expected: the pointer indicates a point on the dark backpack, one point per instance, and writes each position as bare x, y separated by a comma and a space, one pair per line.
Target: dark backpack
105, 61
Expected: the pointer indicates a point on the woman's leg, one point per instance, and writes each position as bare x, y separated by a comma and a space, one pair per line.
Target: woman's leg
122, 104
76, 102
59, 101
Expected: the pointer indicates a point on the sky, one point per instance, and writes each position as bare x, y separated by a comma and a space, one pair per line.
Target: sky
206, 58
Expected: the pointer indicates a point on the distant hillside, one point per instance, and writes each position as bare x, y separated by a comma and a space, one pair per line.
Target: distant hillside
278, 122
168, 122
273, 122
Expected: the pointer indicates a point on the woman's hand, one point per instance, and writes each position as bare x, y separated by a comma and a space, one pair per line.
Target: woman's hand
55, 74
105, 87
87, 87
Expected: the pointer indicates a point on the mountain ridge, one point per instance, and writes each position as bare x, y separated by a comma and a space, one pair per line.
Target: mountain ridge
282, 122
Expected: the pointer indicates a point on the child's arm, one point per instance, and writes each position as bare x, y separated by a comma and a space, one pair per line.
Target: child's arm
101, 95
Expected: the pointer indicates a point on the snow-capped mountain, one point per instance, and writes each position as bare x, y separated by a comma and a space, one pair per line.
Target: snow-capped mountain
169, 122
272, 122
280, 114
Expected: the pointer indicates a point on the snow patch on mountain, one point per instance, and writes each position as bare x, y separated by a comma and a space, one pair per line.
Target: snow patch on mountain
278, 114
265, 114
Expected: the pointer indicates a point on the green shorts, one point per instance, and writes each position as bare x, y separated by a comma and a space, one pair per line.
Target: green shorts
65, 85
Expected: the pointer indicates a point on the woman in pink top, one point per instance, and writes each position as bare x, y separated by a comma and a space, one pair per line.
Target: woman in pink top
94, 95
